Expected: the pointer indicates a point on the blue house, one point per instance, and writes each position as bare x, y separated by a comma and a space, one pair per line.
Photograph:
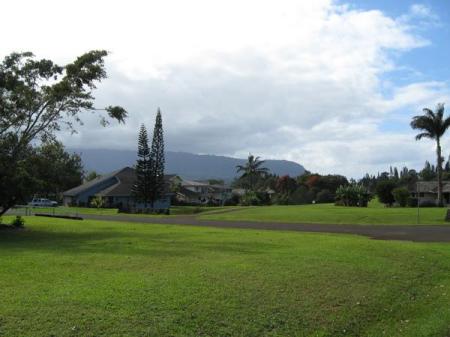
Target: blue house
115, 190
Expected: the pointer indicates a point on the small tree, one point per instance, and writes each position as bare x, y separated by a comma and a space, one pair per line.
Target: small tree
401, 195
97, 202
91, 176
384, 191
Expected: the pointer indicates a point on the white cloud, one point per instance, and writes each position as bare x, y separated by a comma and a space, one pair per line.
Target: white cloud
301, 80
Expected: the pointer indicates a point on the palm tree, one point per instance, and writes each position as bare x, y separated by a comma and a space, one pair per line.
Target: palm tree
433, 126
252, 169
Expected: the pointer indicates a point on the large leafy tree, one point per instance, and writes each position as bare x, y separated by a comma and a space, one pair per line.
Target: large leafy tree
37, 98
55, 169
433, 125
157, 161
252, 169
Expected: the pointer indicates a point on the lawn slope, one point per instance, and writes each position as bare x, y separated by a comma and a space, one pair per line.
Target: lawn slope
331, 214
86, 278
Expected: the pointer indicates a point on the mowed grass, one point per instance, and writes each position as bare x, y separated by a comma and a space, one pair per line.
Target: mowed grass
375, 214
92, 278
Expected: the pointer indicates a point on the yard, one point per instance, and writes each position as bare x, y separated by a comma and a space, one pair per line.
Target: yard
375, 214
93, 278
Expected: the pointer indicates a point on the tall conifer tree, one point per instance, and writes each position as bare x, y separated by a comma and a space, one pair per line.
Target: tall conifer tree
157, 161
143, 185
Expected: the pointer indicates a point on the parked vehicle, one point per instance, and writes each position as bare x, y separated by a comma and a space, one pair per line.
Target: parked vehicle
42, 202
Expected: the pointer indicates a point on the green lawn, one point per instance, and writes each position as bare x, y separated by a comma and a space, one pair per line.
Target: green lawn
92, 278
375, 214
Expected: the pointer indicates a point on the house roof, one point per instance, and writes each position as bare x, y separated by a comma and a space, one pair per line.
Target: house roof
124, 181
193, 183
84, 187
431, 187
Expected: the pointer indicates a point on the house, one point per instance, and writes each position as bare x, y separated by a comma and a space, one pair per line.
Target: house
427, 191
197, 192
115, 190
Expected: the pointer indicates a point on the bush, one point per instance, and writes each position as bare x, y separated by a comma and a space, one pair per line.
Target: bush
233, 201
18, 222
282, 199
384, 192
401, 195
250, 199
352, 195
324, 196
412, 202
427, 203
301, 196
97, 202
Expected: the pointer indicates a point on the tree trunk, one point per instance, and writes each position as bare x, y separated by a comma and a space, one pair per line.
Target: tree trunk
5, 208
439, 173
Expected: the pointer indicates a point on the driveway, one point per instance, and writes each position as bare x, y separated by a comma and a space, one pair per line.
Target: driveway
418, 233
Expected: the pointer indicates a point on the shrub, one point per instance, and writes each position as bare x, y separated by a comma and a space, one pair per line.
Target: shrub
384, 192
324, 196
301, 196
18, 222
249, 199
233, 201
97, 202
352, 195
263, 198
282, 199
401, 195
412, 202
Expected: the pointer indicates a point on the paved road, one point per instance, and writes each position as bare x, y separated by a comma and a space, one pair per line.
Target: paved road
419, 233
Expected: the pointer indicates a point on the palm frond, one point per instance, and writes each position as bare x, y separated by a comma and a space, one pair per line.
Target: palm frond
446, 124
429, 113
424, 135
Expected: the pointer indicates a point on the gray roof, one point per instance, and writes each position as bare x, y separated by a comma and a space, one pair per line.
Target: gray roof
124, 181
431, 187
83, 187
193, 183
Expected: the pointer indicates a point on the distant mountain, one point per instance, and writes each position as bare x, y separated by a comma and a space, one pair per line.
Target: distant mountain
186, 165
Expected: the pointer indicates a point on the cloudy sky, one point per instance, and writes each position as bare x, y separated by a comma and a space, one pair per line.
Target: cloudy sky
329, 84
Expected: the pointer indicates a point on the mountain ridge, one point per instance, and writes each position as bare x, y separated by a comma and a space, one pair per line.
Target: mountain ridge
185, 164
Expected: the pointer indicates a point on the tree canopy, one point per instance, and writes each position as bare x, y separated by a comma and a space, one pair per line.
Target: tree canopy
38, 98
252, 169
433, 125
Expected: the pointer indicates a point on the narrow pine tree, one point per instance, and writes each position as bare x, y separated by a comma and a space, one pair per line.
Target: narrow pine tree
143, 184
157, 161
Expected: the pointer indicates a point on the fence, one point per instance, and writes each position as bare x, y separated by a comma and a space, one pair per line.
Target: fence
26, 210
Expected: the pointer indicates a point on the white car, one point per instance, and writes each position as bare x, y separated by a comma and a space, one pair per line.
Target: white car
42, 202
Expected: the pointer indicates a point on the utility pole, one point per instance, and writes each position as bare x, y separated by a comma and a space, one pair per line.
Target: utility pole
418, 202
